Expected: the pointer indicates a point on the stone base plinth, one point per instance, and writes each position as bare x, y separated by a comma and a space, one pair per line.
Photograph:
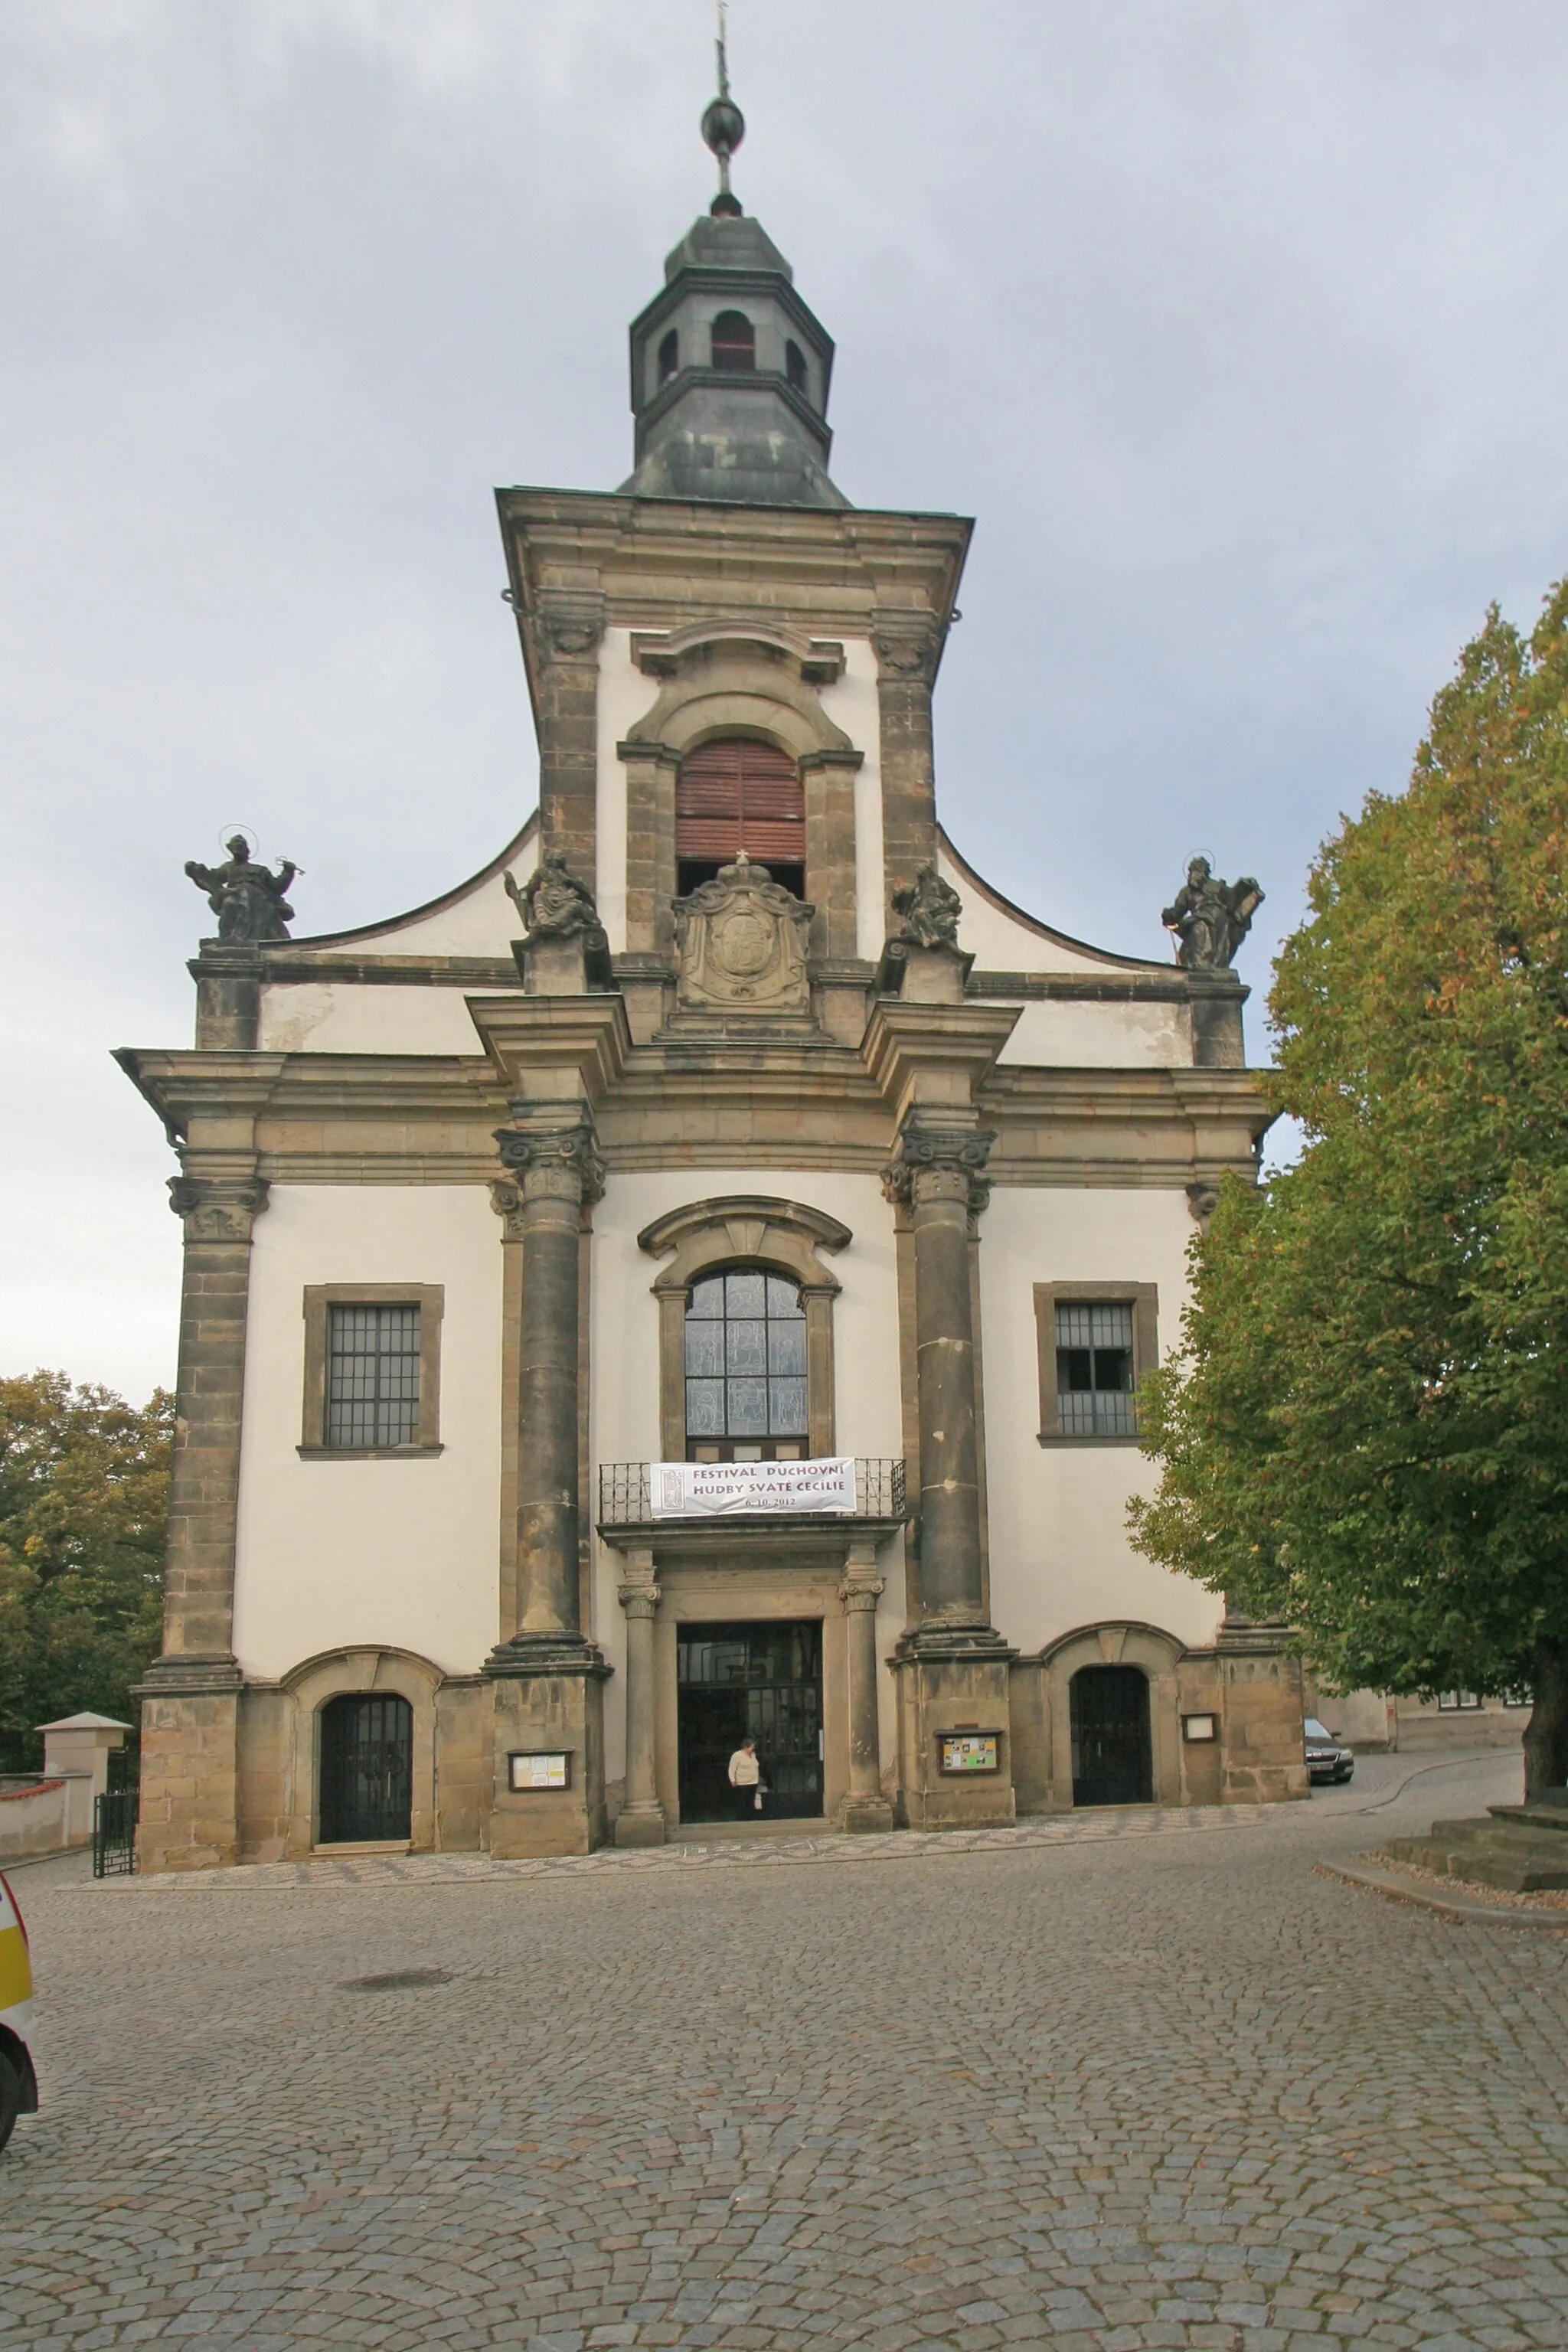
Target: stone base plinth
865, 1816
641, 1825
190, 1776
948, 1683
1260, 1717
549, 1709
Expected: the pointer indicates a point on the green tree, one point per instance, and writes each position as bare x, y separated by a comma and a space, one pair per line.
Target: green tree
84, 1502
1366, 1433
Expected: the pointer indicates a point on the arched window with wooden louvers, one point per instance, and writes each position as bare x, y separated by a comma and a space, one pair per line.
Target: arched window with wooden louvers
738, 793
735, 341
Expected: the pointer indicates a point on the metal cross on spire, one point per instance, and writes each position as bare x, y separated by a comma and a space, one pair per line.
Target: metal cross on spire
723, 124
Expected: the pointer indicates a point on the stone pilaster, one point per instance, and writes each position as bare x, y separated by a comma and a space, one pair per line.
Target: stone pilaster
908, 646
548, 1677
641, 1818
1261, 1711
953, 1664
864, 1807
565, 631
190, 1699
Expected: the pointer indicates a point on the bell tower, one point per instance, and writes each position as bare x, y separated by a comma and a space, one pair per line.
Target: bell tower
730, 371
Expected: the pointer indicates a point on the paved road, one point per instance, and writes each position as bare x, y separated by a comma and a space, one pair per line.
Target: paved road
1120, 2092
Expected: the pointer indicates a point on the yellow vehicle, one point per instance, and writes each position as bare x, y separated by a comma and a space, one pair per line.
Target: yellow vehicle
18, 2084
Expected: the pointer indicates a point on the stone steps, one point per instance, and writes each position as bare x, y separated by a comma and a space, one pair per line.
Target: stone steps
1520, 1849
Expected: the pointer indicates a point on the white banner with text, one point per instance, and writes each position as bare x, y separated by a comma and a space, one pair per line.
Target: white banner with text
703, 1490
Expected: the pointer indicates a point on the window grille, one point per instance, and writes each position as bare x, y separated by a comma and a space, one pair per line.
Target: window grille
745, 1357
372, 1376
1094, 1370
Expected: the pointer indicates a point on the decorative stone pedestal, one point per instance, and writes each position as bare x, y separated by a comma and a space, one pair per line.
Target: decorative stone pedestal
548, 1706
949, 1681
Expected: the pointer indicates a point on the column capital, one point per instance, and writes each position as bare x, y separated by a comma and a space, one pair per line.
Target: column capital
936, 1161
549, 1163
908, 645
217, 1208
860, 1592
569, 624
640, 1599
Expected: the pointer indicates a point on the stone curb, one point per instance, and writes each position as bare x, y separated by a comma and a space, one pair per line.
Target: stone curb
1475, 1914
897, 1845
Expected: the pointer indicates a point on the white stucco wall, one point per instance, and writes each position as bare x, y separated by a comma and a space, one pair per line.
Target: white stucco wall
998, 942
625, 696
1101, 1036
1059, 1553
350, 1017
624, 1360
851, 703
396, 1552
478, 921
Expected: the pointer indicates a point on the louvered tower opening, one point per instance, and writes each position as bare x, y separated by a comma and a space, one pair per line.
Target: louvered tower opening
735, 794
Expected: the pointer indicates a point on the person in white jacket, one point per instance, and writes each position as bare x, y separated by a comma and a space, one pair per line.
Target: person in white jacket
746, 1779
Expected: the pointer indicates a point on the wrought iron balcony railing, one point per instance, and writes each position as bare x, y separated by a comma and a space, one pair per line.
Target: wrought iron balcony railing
625, 1501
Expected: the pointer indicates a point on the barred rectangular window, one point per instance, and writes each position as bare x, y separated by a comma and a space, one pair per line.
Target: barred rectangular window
1456, 1702
1094, 1370
372, 1376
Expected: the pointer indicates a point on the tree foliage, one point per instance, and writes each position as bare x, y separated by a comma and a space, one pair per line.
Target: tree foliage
1367, 1432
84, 1500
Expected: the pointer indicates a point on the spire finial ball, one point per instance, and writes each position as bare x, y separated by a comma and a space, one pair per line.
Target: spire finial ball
723, 127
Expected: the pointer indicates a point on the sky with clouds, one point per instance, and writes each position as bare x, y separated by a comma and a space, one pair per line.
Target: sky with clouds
1238, 324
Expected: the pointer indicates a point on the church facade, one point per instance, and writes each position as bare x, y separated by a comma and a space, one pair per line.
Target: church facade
692, 1279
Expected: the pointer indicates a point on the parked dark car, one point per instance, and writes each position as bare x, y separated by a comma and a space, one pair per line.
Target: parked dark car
1327, 1758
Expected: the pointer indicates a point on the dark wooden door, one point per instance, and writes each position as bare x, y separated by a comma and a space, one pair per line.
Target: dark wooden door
367, 1769
1112, 1762
758, 1678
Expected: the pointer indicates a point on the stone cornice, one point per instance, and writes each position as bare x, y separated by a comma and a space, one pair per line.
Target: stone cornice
699, 1103
531, 1038
662, 563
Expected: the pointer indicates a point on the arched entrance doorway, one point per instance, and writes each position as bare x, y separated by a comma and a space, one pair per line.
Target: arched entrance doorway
1113, 1758
367, 1769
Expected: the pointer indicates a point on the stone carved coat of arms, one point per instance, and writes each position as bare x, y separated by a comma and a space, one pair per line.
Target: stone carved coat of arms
742, 940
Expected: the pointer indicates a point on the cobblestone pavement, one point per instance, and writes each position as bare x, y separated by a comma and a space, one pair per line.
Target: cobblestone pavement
1113, 2088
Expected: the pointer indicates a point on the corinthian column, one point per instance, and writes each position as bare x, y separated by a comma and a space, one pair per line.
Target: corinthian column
953, 1664
547, 1674
190, 1701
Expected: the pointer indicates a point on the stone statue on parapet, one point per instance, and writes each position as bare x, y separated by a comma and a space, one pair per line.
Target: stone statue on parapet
247, 899
554, 905
929, 909
1211, 919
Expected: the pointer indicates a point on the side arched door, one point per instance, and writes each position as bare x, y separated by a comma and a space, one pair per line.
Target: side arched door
367, 1769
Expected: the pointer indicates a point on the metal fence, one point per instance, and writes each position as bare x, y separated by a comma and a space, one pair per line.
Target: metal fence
114, 1832
625, 1501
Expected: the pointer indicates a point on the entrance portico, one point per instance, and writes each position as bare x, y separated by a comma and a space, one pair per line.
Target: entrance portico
765, 1570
